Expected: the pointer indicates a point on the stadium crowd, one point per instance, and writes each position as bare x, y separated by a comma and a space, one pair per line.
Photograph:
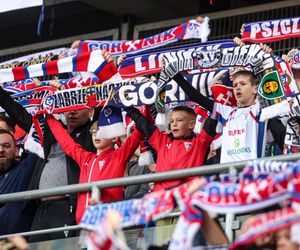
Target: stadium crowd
68, 141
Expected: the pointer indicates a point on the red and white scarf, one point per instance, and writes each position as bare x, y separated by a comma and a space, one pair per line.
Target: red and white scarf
89, 62
187, 30
40, 57
271, 31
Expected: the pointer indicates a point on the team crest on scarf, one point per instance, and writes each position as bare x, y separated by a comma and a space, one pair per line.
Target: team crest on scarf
187, 145
91, 96
49, 104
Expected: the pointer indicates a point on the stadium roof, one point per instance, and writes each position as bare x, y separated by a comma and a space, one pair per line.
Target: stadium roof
64, 18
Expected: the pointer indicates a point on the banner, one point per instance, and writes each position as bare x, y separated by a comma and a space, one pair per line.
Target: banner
188, 30
36, 58
150, 62
271, 31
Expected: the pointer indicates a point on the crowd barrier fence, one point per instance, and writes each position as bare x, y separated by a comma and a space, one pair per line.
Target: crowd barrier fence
131, 180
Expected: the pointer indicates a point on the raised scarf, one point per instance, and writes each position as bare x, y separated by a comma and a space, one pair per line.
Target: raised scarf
23, 85
187, 30
150, 62
271, 31
263, 65
91, 62
40, 57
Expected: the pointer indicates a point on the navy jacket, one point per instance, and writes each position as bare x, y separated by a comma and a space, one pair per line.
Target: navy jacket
16, 179
80, 135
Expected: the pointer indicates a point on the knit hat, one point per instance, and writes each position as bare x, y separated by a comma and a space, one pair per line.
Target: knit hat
110, 123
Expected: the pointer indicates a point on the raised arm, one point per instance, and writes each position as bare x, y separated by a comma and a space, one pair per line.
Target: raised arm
210, 127
130, 145
193, 93
15, 111
278, 131
142, 124
278, 109
68, 145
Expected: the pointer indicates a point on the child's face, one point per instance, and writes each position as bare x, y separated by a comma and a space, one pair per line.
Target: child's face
101, 144
243, 90
181, 124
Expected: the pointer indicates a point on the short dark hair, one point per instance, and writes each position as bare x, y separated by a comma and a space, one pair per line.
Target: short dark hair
10, 123
5, 131
186, 109
253, 79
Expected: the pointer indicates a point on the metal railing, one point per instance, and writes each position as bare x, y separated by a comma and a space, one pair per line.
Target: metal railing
131, 180
126, 181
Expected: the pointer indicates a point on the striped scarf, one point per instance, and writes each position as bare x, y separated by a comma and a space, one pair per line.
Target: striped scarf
271, 31
90, 62
40, 57
187, 30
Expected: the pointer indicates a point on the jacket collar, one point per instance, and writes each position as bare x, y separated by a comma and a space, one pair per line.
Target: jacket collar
191, 136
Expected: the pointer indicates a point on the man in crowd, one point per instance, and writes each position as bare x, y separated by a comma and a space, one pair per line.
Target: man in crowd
55, 170
14, 177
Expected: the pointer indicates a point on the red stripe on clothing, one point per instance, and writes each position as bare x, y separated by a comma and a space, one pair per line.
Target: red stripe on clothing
253, 116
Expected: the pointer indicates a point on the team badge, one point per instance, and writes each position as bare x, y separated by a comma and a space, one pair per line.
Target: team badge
101, 164
187, 145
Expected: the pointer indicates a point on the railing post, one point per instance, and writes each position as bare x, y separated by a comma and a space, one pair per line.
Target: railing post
229, 218
96, 193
